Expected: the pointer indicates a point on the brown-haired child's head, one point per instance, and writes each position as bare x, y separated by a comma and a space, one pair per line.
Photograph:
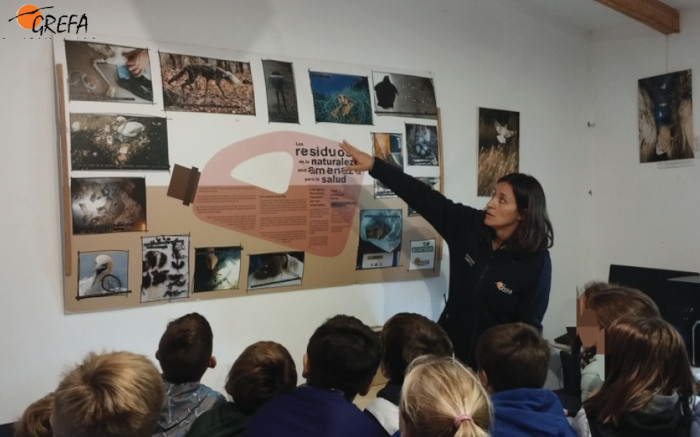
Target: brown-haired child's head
185, 349
512, 355
262, 371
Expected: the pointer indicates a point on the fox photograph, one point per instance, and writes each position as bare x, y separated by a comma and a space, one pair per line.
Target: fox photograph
107, 72
198, 84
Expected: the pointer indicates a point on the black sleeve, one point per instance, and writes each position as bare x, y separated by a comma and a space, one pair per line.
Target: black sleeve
442, 213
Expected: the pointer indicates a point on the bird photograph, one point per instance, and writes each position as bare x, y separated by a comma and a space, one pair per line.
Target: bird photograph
119, 142
100, 275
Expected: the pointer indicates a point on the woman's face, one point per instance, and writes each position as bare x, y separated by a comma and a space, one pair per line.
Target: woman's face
502, 210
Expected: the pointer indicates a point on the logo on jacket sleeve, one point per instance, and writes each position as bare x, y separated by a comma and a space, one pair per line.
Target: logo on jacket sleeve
503, 288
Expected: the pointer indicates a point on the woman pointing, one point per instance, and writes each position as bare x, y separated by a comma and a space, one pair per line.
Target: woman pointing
500, 269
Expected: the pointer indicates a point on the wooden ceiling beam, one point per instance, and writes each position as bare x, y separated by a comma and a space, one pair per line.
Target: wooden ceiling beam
654, 13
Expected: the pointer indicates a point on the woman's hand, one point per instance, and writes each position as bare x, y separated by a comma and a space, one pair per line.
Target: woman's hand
363, 161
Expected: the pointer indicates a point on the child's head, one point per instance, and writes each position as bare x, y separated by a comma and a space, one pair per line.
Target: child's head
601, 304
342, 354
36, 420
649, 357
264, 370
184, 351
512, 355
443, 398
405, 337
108, 395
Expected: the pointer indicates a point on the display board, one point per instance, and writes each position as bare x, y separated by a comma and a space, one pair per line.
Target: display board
198, 173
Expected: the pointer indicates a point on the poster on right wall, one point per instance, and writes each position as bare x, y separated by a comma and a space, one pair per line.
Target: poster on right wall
666, 117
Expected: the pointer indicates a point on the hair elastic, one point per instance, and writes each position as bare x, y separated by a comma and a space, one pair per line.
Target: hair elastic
462, 418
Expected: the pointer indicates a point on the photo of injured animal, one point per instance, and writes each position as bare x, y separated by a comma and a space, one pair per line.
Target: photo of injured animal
102, 273
387, 147
499, 147
666, 117
166, 268
199, 84
281, 92
380, 238
404, 95
422, 144
341, 98
108, 72
106, 205
280, 269
216, 268
433, 182
118, 142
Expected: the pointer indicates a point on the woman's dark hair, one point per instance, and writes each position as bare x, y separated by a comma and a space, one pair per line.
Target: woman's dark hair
535, 233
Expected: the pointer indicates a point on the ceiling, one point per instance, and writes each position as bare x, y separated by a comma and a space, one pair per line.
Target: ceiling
591, 16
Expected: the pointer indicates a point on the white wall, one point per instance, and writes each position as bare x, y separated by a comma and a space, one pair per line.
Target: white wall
482, 53
645, 215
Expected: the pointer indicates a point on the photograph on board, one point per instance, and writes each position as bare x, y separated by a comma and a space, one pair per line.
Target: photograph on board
281, 92
422, 144
404, 95
216, 268
431, 181
199, 84
666, 117
106, 205
118, 142
166, 267
103, 273
387, 147
279, 269
108, 72
499, 147
380, 232
341, 98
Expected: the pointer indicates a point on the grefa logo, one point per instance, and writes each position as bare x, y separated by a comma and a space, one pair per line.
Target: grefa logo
503, 288
31, 18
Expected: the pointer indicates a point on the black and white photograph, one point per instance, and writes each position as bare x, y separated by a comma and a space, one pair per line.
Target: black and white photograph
216, 268
199, 84
281, 92
404, 95
106, 205
108, 72
279, 269
422, 145
103, 273
387, 147
118, 142
166, 267
380, 233
499, 147
341, 98
666, 117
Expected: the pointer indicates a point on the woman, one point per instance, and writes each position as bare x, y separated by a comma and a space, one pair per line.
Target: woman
500, 269
649, 387
442, 398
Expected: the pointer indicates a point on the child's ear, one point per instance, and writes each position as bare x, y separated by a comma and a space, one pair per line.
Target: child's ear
212, 362
484, 379
306, 366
